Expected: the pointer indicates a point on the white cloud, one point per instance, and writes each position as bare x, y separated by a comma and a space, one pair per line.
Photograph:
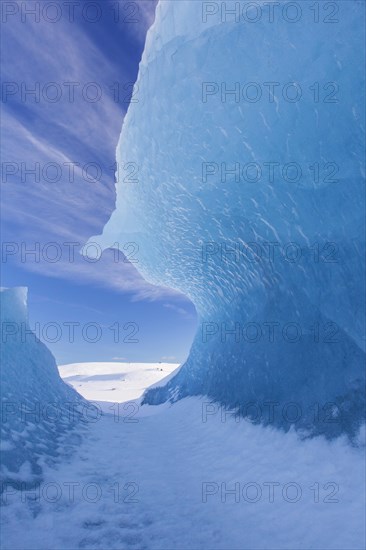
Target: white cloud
178, 309
62, 54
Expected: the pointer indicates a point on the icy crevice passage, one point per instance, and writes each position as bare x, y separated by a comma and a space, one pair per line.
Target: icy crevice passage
182, 132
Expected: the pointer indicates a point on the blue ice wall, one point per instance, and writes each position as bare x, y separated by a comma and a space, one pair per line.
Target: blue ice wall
241, 180
38, 410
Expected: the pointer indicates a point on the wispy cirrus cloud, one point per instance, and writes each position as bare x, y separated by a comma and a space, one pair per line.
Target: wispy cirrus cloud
180, 310
69, 133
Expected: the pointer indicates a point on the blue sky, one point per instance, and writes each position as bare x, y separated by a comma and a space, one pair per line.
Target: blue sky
58, 154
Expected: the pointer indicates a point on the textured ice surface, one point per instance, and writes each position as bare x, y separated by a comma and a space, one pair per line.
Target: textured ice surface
37, 407
171, 211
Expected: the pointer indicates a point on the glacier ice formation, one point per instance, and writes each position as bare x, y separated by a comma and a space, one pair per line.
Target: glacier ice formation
214, 93
38, 410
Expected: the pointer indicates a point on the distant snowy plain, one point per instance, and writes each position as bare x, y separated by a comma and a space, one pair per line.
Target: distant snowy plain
114, 382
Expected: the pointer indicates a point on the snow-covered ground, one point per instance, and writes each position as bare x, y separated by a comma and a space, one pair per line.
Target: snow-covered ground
115, 382
190, 477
